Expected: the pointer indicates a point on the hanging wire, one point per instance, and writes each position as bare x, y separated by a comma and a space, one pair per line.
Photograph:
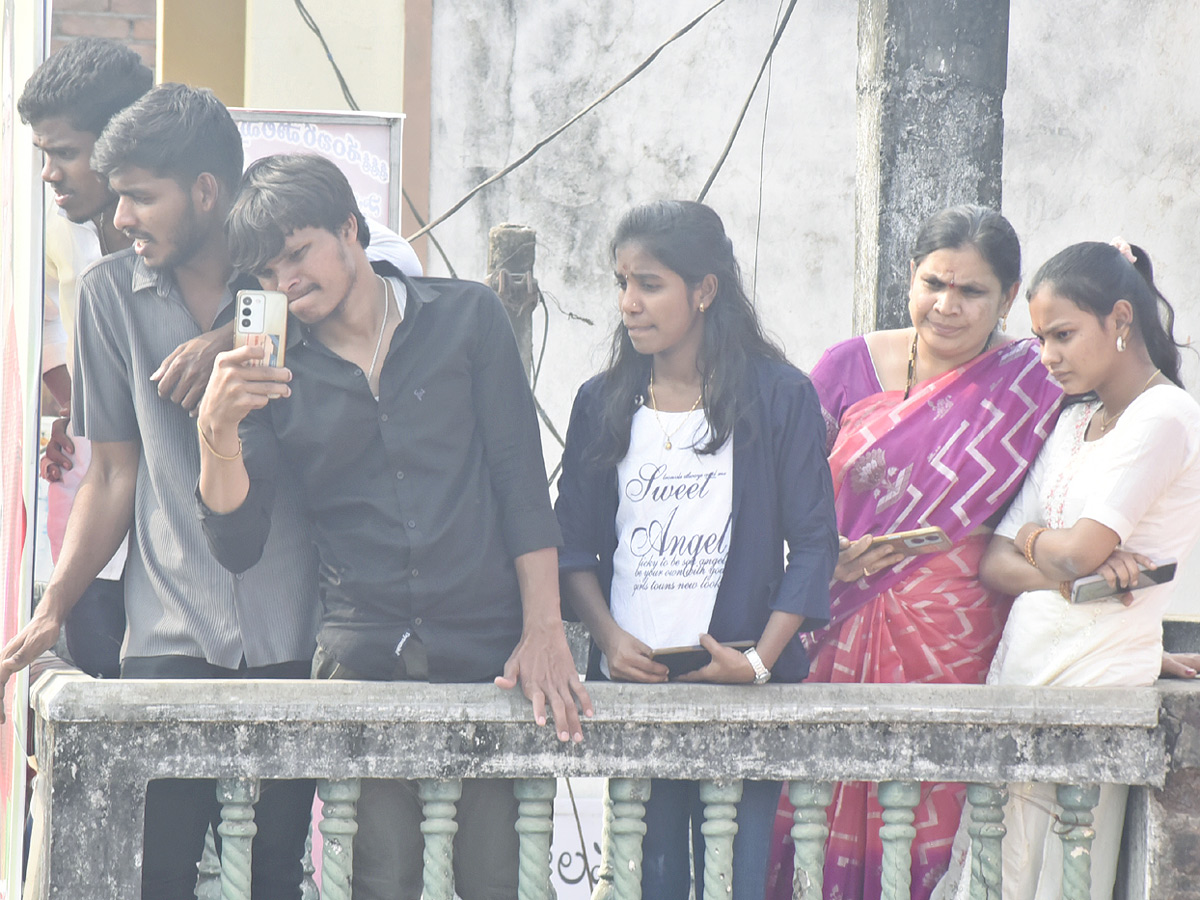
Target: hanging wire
571, 121
315, 29
353, 104
762, 155
412, 208
742, 115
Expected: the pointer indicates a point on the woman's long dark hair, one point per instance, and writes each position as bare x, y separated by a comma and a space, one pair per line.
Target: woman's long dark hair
689, 239
1094, 276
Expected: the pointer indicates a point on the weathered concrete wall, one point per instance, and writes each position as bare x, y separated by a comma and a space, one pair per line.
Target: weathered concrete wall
1162, 848
931, 77
507, 73
1101, 113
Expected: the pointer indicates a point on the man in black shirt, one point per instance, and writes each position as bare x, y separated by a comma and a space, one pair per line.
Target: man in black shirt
406, 415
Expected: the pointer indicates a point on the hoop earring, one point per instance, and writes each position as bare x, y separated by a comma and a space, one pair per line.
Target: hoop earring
701, 307
1120, 343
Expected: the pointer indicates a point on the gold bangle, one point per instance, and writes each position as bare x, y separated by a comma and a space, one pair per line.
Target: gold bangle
1029, 545
213, 450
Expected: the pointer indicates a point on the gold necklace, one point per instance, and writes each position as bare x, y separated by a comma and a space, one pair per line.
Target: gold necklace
382, 329
912, 362
1106, 422
654, 408
912, 365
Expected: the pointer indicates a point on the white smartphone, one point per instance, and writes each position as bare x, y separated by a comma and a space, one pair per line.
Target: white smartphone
1094, 587
261, 319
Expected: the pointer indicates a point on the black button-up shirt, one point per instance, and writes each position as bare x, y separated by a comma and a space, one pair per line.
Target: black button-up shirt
420, 501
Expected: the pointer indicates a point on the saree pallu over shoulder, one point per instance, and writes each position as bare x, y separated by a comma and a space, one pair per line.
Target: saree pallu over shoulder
952, 454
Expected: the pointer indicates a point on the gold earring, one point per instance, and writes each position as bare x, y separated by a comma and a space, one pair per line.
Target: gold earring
1120, 343
701, 307
1004, 322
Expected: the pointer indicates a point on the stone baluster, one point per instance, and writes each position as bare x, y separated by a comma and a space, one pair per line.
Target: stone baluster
604, 882
1078, 802
308, 887
810, 830
208, 885
720, 800
628, 827
237, 830
987, 834
339, 824
898, 798
535, 825
438, 798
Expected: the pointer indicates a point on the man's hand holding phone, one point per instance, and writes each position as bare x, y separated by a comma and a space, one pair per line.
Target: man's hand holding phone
240, 383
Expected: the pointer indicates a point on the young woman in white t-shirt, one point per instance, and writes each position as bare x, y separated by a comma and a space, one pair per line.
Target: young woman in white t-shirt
696, 506
1116, 485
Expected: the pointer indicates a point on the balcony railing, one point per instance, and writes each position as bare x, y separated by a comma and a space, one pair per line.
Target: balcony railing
100, 742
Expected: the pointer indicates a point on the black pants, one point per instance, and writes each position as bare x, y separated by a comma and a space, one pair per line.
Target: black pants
95, 628
179, 811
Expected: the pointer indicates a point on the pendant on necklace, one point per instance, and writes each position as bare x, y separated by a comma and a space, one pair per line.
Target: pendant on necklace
667, 445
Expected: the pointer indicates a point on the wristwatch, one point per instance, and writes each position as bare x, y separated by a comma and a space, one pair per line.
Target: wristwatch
761, 673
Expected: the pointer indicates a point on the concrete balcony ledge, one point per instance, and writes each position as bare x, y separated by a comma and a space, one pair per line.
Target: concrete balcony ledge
281, 729
100, 742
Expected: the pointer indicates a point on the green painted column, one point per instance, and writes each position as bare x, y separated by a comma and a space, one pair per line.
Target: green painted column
535, 825
237, 830
720, 800
898, 799
339, 825
629, 796
438, 798
987, 833
1078, 802
810, 831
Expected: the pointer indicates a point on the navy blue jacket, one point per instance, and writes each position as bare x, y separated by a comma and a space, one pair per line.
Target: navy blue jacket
782, 494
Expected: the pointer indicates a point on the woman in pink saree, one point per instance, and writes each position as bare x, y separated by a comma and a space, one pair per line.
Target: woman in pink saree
930, 425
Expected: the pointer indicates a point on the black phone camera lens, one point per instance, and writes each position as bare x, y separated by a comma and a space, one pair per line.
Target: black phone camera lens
245, 323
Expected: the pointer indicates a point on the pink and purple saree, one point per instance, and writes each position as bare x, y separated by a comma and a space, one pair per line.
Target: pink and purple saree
952, 455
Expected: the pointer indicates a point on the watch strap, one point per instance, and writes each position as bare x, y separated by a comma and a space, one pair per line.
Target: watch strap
761, 673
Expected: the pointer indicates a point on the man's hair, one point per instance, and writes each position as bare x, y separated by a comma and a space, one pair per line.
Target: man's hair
282, 194
86, 82
174, 131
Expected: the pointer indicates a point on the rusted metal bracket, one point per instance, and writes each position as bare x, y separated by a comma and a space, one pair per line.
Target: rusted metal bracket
518, 291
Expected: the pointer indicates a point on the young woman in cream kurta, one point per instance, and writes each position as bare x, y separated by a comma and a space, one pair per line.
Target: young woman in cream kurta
1116, 485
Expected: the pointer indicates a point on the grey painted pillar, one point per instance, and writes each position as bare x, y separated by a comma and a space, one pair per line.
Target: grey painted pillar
931, 78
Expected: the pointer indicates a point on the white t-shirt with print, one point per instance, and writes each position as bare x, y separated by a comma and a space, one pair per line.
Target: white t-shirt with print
674, 517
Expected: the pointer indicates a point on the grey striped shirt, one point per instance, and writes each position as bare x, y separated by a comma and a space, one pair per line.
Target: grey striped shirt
178, 598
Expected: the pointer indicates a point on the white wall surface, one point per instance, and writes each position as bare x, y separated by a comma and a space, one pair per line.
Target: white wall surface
502, 81
1101, 114
286, 66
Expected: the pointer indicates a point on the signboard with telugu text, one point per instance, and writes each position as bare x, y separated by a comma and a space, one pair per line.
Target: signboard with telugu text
364, 145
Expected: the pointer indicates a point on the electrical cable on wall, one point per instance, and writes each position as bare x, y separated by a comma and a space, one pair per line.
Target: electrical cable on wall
353, 104
742, 115
762, 155
637, 70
